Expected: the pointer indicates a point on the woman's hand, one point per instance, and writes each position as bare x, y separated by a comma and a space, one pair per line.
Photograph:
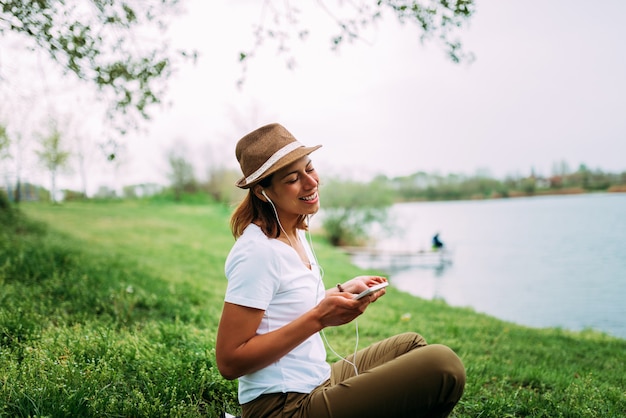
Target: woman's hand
339, 308
360, 283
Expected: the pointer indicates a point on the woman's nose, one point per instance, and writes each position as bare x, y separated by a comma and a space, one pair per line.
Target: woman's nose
311, 180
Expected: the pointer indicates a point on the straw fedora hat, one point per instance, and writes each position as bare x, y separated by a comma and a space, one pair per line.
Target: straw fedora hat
266, 150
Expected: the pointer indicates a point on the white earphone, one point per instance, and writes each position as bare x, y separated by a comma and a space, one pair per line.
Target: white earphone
263, 193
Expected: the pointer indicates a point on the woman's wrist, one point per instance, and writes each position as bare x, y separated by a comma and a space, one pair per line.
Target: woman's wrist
315, 317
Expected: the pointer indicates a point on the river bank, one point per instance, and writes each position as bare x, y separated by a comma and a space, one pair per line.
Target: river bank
517, 194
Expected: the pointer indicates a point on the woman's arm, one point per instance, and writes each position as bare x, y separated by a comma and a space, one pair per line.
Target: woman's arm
240, 350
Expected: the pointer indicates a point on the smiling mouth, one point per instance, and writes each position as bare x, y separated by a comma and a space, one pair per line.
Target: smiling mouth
310, 197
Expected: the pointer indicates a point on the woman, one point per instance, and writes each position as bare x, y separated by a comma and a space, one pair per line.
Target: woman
276, 306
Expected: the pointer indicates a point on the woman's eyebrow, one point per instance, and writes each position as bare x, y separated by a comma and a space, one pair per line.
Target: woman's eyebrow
295, 171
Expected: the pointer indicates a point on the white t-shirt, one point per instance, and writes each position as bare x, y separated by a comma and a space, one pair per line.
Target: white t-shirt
268, 274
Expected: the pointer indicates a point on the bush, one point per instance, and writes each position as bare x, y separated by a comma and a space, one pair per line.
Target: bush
350, 209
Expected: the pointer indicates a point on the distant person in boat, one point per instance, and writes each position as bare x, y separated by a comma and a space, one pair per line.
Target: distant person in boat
437, 243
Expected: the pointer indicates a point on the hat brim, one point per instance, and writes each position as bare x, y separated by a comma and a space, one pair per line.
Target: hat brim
283, 162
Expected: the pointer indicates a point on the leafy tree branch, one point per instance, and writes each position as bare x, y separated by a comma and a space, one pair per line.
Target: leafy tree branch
435, 19
99, 42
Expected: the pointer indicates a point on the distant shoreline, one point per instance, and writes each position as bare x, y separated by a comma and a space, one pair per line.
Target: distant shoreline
513, 195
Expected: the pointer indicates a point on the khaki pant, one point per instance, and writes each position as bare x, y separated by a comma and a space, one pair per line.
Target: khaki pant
401, 376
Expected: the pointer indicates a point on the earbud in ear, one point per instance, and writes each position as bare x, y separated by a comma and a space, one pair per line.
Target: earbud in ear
263, 193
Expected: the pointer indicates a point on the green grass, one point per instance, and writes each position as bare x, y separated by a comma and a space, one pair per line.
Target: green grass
111, 308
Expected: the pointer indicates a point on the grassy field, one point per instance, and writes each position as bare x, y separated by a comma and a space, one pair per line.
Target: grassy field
110, 309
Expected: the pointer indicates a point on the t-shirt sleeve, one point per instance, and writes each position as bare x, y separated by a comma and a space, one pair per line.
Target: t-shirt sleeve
253, 274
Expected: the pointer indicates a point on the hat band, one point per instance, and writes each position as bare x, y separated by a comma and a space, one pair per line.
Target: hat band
272, 160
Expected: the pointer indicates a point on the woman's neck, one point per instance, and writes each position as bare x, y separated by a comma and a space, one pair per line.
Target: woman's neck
288, 225
293, 240
290, 236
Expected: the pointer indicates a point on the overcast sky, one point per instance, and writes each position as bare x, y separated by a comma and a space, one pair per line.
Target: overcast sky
547, 85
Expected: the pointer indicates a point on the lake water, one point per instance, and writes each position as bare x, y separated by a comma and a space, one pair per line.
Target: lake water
557, 261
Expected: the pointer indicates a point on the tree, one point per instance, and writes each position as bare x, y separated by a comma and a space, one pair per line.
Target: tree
434, 19
53, 156
4, 154
93, 40
4, 143
351, 208
181, 174
12, 139
219, 184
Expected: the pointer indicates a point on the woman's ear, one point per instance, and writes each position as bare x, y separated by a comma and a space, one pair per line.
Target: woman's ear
258, 192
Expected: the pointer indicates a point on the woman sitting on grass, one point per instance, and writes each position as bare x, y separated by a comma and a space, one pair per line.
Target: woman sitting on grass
276, 306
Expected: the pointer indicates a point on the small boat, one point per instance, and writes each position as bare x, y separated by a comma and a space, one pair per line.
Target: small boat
376, 258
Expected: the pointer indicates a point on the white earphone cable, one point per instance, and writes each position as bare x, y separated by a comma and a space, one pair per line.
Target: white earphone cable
320, 282
356, 322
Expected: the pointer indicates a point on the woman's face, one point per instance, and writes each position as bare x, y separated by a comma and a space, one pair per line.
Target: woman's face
294, 189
